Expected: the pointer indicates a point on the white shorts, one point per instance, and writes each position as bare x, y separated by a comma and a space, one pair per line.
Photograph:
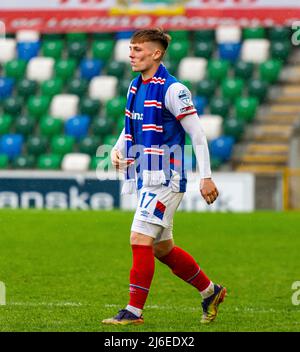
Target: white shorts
155, 212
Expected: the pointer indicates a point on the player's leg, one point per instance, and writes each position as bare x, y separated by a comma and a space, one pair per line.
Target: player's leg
141, 273
185, 267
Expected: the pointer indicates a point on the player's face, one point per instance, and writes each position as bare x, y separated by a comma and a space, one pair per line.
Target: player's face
143, 56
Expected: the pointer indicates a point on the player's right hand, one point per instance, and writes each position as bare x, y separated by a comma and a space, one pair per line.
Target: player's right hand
117, 159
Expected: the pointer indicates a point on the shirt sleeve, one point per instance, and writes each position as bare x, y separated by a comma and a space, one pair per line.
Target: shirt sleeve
178, 100
193, 127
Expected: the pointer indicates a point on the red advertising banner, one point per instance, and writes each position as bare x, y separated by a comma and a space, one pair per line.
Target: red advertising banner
109, 15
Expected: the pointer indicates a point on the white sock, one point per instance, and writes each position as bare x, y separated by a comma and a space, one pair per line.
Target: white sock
134, 310
208, 291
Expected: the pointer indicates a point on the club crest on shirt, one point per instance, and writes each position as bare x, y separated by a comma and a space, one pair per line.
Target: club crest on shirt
185, 97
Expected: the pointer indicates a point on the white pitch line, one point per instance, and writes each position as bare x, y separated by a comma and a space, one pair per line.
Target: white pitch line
45, 304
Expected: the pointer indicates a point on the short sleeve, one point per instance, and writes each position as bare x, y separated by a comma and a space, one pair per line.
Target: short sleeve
178, 100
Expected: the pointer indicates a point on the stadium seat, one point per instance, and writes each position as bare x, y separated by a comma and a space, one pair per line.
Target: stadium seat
229, 51
28, 50
62, 144
12, 106
53, 36
102, 35
270, 70
279, 34
192, 68
255, 50
243, 69
77, 49
97, 84
110, 140
234, 128
3, 161
115, 108
222, 148
123, 86
232, 88
40, 69
78, 86
11, 145
15, 68
204, 34
76, 37
75, 162
49, 162
103, 49
120, 125
280, 50
36, 145
199, 104
27, 88
7, 50
217, 69
212, 125
38, 105
53, 49
116, 68
50, 126
245, 108
178, 50
258, 89
24, 162
77, 126
27, 35
5, 124
24, 125
204, 49
65, 68
89, 107
171, 66
228, 34
89, 145
121, 50
90, 68
179, 35
64, 106
52, 87
6, 87
254, 33
219, 106
102, 127
206, 88
123, 35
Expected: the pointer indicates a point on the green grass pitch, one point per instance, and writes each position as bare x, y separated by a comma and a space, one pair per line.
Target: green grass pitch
68, 270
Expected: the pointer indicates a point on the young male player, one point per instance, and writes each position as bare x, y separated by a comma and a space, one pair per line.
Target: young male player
159, 113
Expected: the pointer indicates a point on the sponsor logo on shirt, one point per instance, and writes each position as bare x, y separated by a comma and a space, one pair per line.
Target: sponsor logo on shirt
145, 213
185, 97
137, 116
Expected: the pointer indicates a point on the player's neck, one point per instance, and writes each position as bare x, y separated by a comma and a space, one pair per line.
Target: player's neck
150, 72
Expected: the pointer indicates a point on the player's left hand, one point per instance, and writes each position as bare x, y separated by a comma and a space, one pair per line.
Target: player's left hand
208, 190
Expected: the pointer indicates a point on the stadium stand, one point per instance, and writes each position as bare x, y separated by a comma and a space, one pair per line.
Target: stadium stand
63, 95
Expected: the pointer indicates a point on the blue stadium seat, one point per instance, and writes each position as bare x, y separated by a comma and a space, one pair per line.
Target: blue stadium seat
11, 145
28, 50
77, 126
124, 35
200, 104
6, 87
90, 68
229, 51
221, 148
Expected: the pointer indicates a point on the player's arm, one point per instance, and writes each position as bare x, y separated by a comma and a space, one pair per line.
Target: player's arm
191, 125
178, 101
